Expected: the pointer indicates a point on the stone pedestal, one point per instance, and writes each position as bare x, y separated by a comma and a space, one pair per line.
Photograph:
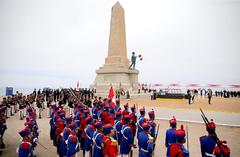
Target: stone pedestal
115, 71
124, 78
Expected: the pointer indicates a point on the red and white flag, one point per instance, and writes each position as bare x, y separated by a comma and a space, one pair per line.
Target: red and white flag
140, 57
111, 93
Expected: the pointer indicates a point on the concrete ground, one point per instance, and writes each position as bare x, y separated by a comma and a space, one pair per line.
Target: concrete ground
195, 130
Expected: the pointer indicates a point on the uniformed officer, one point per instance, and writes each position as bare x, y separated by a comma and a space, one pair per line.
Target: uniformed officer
25, 148
133, 116
145, 141
171, 134
153, 125
178, 149
110, 145
125, 111
127, 137
117, 108
118, 127
141, 119
73, 145
63, 147
97, 140
89, 135
208, 142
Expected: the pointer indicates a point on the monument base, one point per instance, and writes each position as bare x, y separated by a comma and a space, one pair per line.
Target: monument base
127, 79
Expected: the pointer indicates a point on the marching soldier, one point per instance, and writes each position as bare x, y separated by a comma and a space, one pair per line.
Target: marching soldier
117, 108
208, 142
97, 139
145, 141
125, 111
118, 127
73, 145
127, 137
171, 134
153, 125
25, 148
63, 147
133, 116
141, 119
177, 149
110, 145
89, 135
3, 126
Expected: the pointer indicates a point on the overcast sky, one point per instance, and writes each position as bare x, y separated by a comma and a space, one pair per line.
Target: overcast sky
58, 42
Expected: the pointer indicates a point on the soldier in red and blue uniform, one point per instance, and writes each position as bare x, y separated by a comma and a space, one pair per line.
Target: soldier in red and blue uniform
145, 141
89, 135
73, 145
125, 111
141, 119
127, 137
178, 149
110, 145
97, 139
133, 116
117, 108
153, 125
95, 111
208, 142
171, 134
63, 148
118, 127
25, 148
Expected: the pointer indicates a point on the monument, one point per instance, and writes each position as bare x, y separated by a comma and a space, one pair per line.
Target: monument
116, 71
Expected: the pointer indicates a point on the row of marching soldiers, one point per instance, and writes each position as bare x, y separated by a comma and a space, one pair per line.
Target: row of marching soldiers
109, 131
105, 131
29, 134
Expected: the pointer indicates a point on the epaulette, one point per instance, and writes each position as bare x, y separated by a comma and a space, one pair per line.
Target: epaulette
114, 142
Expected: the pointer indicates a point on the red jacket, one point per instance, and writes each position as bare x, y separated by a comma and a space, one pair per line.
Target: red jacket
110, 147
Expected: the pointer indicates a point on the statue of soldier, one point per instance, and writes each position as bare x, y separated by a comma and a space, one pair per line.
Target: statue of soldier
133, 61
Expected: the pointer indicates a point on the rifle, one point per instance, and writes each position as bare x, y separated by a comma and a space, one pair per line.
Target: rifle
73, 94
156, 137
41, 145
206, 121
187, 137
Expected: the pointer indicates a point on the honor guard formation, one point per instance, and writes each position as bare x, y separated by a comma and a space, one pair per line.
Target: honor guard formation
84, 125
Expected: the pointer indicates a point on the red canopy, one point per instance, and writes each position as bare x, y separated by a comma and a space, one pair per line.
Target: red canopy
193, 85
214, 85
235, 86
157, 85
174, 85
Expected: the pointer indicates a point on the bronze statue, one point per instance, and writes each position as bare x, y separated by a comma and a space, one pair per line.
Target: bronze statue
133, 61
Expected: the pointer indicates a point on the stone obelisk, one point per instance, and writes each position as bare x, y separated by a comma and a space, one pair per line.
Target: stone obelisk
115, 71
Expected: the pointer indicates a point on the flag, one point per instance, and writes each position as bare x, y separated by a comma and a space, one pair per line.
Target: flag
111, 93
77, 86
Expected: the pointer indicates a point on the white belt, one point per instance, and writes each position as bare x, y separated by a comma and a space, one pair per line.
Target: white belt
98, 146
210, 155
88, 137
125, 137
144, 150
